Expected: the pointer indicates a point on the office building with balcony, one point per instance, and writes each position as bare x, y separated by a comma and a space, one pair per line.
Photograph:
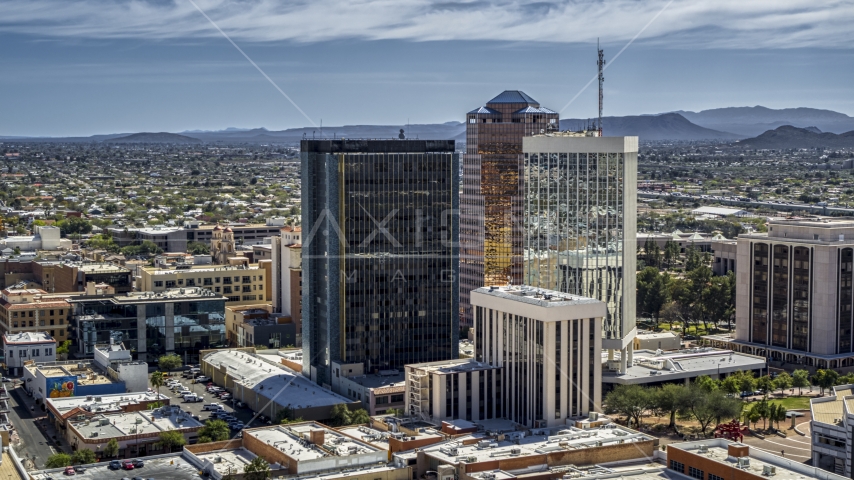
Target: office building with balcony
181, 321
378, 253
239, 284
580, 225
493, 182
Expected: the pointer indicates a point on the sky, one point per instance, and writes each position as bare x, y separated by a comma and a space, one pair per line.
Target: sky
108, 66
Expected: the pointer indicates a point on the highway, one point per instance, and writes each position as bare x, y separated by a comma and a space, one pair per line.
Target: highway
735, 202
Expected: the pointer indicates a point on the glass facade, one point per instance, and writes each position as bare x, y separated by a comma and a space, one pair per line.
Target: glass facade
801, 298
491, 200
576, 227
846, 257
780, 299
379, 257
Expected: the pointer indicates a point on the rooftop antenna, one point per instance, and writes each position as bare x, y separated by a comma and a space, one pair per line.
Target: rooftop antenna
601, 64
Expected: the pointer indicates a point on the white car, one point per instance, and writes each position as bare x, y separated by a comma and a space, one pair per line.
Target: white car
212, 406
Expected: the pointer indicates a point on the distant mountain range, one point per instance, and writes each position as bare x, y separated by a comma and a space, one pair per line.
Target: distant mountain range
723, 124
752, 121
160, 137
787, 136
667, 126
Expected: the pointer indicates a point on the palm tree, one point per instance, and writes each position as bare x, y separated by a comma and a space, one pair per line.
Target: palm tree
157, 381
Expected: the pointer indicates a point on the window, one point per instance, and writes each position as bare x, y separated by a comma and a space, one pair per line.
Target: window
217, 289
712, 476
208, 281
245, 279
382, 400
696, 473
51, 313
226, 289
41, 322
170, 283
15, 324
216, 279
31, 323
53, 333
48, 352
62, 321
36, 352
260, 278
678, 466
60, 312
30, 314
22, 353
52, 321
14, 314
396, 398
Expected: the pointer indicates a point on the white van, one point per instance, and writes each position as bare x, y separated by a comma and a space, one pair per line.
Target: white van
212, 406
192, 397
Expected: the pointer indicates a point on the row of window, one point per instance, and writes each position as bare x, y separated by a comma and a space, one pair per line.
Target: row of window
36, 352
30, 313
41, 323
384, 400
193, 282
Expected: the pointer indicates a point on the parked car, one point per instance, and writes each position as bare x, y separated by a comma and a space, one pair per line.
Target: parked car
70, 471
115, 464
80, 469
137, 463
201, 379
212, 406
240, 405
127, 464
6, 379
238, 425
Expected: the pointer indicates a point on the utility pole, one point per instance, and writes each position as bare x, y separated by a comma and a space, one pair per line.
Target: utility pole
601, 64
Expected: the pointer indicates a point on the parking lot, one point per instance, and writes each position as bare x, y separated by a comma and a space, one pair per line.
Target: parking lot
196, 408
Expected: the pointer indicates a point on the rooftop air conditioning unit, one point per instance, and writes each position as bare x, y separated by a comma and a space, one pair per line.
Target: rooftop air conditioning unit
704, 449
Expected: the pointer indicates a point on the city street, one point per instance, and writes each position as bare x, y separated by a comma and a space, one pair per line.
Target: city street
27, 425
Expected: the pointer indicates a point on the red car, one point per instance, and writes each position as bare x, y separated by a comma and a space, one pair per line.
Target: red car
70, 471
127, 465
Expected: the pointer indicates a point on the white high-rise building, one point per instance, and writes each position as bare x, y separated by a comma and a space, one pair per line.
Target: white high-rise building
580, 225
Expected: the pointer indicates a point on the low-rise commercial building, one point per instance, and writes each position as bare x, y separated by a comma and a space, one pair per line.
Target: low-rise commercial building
67, 379
137, 433
515, 451
380, 392
658, 341
179, 320
267, 387
721, 459
74, 276
61, 409
175, 239
652, 367
725, 254
258, 326
22, 348
240, 285
832, 421
118, 364
33, 310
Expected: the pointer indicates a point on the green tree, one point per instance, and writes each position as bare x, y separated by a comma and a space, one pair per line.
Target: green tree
629, 400
359, 416
800, 379
257, 469
58, 460
747, 382
74, 226
783, 381
156, 380
112, 448
198, 248
170, 362
846, 379
693, 259
83, 456
731, 384
652, 292
102, 242
766, 384
753, 416
63, 347
720, 302
671, 253
668, 399
706, 383
763, 409
214, 431
340, 415
706, 407
824, 379
171, 439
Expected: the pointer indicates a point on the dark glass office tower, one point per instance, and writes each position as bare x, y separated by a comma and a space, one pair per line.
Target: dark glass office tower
493, 183
380, 261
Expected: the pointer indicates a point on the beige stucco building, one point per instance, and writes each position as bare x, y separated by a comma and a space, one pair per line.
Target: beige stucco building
240, 284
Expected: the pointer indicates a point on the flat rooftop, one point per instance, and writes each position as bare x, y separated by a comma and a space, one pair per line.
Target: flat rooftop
649, 366
204, 268
270, 380
102, 268
102, 403
28, 337
85, 376
290, 439
131, 423
457, 365
228, 461
786, 469
172, 293
377, 438
548, 305
567, 439
832, 410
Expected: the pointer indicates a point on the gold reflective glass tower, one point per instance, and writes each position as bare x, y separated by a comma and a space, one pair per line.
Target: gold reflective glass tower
493, 183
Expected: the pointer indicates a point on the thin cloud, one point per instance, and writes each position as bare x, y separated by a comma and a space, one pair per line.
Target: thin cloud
686, 24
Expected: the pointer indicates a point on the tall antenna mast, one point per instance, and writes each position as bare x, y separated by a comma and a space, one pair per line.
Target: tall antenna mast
601, 64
